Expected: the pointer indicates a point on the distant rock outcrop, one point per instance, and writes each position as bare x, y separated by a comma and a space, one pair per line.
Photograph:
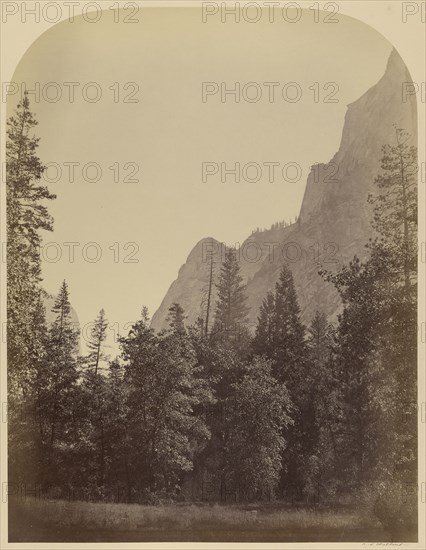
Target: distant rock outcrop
334, 222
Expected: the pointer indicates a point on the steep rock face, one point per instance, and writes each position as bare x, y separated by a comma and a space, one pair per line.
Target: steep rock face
335, 218
190, 289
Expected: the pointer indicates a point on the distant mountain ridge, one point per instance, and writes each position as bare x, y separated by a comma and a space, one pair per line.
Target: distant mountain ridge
334, 222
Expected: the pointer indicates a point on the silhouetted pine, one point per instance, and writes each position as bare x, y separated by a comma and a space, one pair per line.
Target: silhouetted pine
25, 216
324, 391
230, 324
59, 390
280, 334
176, 319
96, 341
263, 340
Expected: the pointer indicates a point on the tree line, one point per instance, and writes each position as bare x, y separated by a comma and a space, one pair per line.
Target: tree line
211, 411
275, 226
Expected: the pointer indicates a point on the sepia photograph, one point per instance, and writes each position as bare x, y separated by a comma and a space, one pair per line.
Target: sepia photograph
213, 274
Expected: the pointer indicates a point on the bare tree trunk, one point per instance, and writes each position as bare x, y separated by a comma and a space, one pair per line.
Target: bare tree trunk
206, 329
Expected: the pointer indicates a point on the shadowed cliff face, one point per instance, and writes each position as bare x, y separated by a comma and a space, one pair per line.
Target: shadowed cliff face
334, 221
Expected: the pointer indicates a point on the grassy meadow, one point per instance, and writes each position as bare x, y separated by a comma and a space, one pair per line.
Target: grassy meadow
40, 520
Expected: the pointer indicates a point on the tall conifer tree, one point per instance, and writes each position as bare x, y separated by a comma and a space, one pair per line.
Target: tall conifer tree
230, 325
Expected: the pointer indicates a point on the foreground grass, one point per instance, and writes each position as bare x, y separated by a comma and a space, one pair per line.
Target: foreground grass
62, 520
133, 516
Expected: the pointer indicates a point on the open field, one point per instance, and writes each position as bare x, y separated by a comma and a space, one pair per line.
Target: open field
38, 520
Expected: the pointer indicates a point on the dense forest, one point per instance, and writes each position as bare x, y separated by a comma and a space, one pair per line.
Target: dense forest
311, 414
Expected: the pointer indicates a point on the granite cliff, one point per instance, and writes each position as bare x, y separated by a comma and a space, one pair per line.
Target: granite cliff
334, 221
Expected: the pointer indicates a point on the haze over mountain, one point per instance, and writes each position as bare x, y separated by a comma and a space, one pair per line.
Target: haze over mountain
334, 222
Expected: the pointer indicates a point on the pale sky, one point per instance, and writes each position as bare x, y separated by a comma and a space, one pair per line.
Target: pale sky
170, 132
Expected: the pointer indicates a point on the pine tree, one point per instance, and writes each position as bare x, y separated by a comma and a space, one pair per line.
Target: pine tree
377, 342
176, 319
27, 429
96, 341
209, 297
288, 348
318, 339
60, 388
395, 254
280, 337
95, 400
116, 438
395, 207
62, 330
26, 215
263, 340
394, 260
325, 396
230, 325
